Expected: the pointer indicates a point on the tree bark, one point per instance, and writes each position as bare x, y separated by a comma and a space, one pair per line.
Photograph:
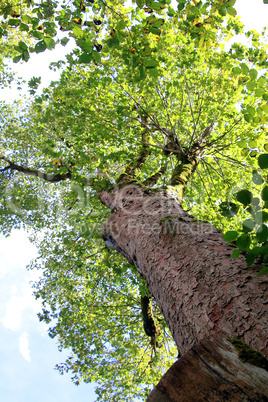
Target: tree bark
221, 376
188, 267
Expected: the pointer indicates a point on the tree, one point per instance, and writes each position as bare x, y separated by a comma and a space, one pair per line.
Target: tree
158, 119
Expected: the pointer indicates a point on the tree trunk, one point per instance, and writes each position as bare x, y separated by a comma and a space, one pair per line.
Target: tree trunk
220, 376
188, 267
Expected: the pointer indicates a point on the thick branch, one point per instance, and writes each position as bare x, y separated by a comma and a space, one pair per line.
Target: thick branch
154, 178
52, 178
140, 160
136, 164
180, 177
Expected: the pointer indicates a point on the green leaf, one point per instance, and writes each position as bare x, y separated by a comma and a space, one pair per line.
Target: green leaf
253, 154
16, 59
265, 147
252, 144
264, 193
230, 236
14, 22
153, 72
96, 56
158, 23
26, 18
261, 216
248, 225
154, 30
64, 41
256, 251
262, 234
242, 144
23, 45
24, 27
245, 197
229, 209
40, 46
259, 92
253, 73
140, 3
171, 12
255, 201
262, 81
25, 55
37, 34
243, 242
250, 258
121, 25
156, 6
142, 71
251, 110
231, 11
50, 43
134, 61
248, 117
77, 31
181, 6
244, 68
257, 178
236, 71
245, 152
236, 253
150, 63
256, 119
265, 108
250, 85
263, 161
85, 58
265, 97
264, 270
222, 11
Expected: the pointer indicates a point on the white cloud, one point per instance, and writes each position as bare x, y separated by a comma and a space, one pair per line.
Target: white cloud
24, 346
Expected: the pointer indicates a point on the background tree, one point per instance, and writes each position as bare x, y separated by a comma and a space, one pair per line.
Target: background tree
159, 105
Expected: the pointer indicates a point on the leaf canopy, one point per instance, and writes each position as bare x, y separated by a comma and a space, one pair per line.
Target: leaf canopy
140, 77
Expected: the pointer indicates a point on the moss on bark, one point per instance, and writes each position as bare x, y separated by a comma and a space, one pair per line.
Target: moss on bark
249, 355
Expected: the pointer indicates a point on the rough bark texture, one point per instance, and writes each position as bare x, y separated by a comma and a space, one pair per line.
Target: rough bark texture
200, 375
188, 268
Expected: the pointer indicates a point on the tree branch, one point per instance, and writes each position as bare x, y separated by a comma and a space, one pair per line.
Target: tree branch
154, 178
52, 178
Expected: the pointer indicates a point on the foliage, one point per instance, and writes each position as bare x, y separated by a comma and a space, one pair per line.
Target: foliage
83, 286
148, 88
252, 237
115, 23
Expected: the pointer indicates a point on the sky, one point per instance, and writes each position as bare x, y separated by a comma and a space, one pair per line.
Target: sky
27, 355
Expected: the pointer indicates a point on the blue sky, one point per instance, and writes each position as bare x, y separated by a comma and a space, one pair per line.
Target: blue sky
27, 354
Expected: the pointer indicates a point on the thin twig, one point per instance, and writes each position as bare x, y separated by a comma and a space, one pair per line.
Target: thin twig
200, 176
190, 102
232, 160
198, 117
225, 133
